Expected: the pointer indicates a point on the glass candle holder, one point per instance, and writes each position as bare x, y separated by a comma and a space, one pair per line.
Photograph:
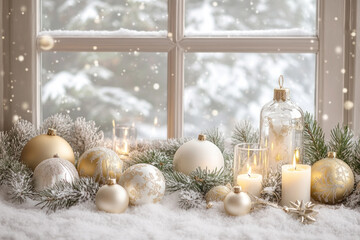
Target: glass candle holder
124, 140
250, 165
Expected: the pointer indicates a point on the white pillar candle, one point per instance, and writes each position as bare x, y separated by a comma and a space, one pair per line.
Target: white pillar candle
296, 183
250, 183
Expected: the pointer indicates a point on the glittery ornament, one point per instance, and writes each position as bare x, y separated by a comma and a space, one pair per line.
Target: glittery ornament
144, 183
101, 163
217, 193
53, 170
332, 180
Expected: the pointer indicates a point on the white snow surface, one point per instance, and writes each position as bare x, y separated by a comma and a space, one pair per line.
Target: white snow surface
166, 221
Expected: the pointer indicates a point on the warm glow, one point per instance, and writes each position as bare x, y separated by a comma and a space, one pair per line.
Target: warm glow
255, 160
155, 121
297, 155
272, 146
125, 149
249, 172
294, 161
266, 143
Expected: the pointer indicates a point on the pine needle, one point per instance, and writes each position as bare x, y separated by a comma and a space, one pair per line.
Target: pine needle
341, 143
244, 133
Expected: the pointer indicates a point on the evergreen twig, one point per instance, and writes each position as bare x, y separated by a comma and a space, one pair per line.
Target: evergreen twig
216, 137
341, 143
314, 143
244, 133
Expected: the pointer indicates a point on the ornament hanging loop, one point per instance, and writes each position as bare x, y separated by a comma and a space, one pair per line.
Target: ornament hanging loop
281, 81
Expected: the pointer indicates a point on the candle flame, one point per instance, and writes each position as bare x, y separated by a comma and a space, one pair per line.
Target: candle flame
126, 148
249, 172
294, 161
155, 121
255, 160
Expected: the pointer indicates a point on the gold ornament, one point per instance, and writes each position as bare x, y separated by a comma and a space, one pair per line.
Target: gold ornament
304, 211
101, 163
144, 183
46, 42
237, 203
217, 193
53, 170
198, 153
45, 146
112, 198
332, 180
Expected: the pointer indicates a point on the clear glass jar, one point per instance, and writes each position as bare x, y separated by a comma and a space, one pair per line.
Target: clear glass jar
250, 165
281, 128
124, 140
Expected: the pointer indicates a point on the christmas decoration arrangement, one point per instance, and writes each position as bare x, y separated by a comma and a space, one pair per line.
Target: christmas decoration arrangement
283, 165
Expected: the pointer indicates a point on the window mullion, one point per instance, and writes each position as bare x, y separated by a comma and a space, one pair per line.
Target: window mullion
175, 69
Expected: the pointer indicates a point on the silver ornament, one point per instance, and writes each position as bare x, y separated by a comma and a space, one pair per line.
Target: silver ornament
112, 198
237, 203
53, 170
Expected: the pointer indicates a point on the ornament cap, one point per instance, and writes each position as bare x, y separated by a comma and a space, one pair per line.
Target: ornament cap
111, 181
51, 132
237, 189
56, 155
202, 137
331, 154
281, 93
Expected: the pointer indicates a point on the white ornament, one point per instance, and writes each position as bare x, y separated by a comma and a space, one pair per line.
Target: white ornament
53, 170
198, 153
144, 184
112, 198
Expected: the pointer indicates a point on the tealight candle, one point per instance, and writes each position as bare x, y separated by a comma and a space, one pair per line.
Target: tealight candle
250, 183
296, 182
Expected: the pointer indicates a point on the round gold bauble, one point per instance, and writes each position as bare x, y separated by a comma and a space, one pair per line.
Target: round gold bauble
198, 153
237, 203
112, 198
331, 180
217, 194
53, 170
144, 183
101, 163
46, 42
45, 146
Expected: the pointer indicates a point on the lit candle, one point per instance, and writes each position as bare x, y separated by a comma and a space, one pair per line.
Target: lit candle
296, 182
250, 182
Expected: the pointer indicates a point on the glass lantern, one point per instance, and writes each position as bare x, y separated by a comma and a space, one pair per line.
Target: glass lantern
124, 140
281, 128
250, 165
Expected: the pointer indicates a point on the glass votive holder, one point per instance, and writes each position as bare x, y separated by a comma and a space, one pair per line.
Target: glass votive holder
250, 165
124, 140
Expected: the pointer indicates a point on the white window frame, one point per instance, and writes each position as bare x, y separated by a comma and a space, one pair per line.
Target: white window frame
24, 86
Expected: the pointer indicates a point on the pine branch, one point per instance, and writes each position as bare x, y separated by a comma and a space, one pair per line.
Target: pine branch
216, 137
176, 181
205, 179
65, 195
355, 164
341, 143
153, 157
314, 143
244, 133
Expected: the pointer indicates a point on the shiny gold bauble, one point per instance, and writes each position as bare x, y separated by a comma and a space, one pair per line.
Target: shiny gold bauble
144, 183
198, 153
237, 203
332, 180
112, 198
217, 194
45, 146
101, 163
53, 170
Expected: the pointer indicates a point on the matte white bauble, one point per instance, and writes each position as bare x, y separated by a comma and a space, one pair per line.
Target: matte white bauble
198, 153
53, 170
144, 184
112, 198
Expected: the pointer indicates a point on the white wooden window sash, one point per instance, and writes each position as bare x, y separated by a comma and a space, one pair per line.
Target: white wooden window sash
329, 86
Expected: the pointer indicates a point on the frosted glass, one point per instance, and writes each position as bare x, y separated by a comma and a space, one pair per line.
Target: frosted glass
130, 88
222, 89
250, 17
108, 15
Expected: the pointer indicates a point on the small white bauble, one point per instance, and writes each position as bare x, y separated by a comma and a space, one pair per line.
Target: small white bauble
217, 193
144, 184
237, 203
198, 153
53, 170
112, 198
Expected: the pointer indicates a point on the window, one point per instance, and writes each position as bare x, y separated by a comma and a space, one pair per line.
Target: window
174, 68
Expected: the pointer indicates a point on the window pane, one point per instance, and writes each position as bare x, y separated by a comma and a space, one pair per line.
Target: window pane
109, 15
130, 88
222, 89
249, 17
